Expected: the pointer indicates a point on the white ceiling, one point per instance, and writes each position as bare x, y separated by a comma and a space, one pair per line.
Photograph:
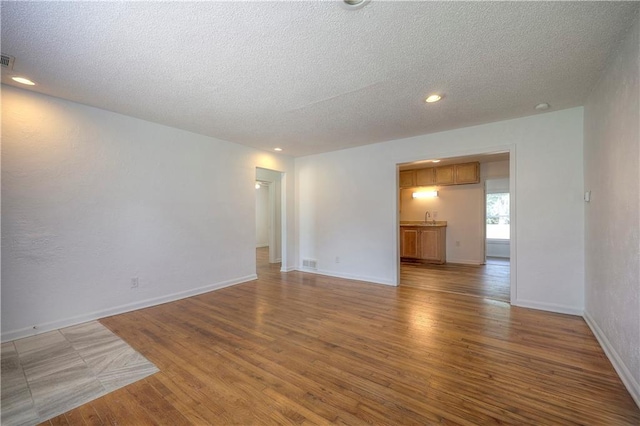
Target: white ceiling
312, 76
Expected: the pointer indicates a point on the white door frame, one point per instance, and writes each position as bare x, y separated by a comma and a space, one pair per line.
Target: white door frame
274, 255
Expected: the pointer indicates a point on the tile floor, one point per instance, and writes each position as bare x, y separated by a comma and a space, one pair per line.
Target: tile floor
51, 373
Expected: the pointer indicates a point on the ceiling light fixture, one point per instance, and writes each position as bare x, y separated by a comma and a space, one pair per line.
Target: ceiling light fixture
433, 98
435, 161
277, 149
23, 80
542, 106
257, 185
353, 4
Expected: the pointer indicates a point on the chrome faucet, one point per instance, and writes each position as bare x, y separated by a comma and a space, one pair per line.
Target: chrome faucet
427, 215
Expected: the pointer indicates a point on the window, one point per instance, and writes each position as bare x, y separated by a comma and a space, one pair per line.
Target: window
498, 227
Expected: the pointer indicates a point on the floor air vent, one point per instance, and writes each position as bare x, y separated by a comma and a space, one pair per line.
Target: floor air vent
309, 263
7, 61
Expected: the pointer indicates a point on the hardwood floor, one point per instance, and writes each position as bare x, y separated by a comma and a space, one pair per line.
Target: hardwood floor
293, 348
491, 280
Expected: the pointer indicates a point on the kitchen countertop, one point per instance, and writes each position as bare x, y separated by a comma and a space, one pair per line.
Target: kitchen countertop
431, 223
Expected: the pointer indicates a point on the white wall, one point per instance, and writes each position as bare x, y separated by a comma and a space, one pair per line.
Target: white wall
91, 199
347, 204
262, 216
494, 170
612, 222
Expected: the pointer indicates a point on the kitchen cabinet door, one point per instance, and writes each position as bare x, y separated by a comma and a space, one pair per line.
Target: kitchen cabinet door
407, 178
467, 173
444, 175
425, 177
409, 242
432, 244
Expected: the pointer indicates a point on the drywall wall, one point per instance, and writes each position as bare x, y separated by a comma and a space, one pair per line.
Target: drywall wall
346, 204
92, 199
462, 207
612, 218
494, 170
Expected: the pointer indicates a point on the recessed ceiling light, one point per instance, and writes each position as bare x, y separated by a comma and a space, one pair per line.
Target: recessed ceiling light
23, 81
353, 4
433, 98
277, 149
435, 161
542, 106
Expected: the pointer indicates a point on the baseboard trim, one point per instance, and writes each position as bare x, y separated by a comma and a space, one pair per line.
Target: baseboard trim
371, 280
550, 307
288, 269
625, 374
91, 316
465, 262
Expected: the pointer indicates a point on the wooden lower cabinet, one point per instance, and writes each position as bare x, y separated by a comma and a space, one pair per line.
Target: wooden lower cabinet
423, 243
410, 240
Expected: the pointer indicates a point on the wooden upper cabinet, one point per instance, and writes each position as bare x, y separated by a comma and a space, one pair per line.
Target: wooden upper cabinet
467, 173
453, 174
407, 178
444, 175
425, 177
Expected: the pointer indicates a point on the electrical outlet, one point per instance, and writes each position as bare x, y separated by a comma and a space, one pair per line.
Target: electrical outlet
135, 282
337, 259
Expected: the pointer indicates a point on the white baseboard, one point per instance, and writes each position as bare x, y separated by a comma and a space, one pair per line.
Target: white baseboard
625, 374
465, 261
288, 268
371, 280
91, 316
551, 307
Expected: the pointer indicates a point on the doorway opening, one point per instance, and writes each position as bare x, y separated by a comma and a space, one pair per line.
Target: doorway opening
269, 212
446, 232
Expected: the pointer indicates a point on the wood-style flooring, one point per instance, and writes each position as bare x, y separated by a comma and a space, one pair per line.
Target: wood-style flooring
491, 280
296, 348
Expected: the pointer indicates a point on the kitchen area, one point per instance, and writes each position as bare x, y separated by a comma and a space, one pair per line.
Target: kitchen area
430, 197
443, 222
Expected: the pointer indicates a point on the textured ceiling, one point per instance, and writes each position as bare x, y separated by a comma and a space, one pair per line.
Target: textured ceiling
312, 76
